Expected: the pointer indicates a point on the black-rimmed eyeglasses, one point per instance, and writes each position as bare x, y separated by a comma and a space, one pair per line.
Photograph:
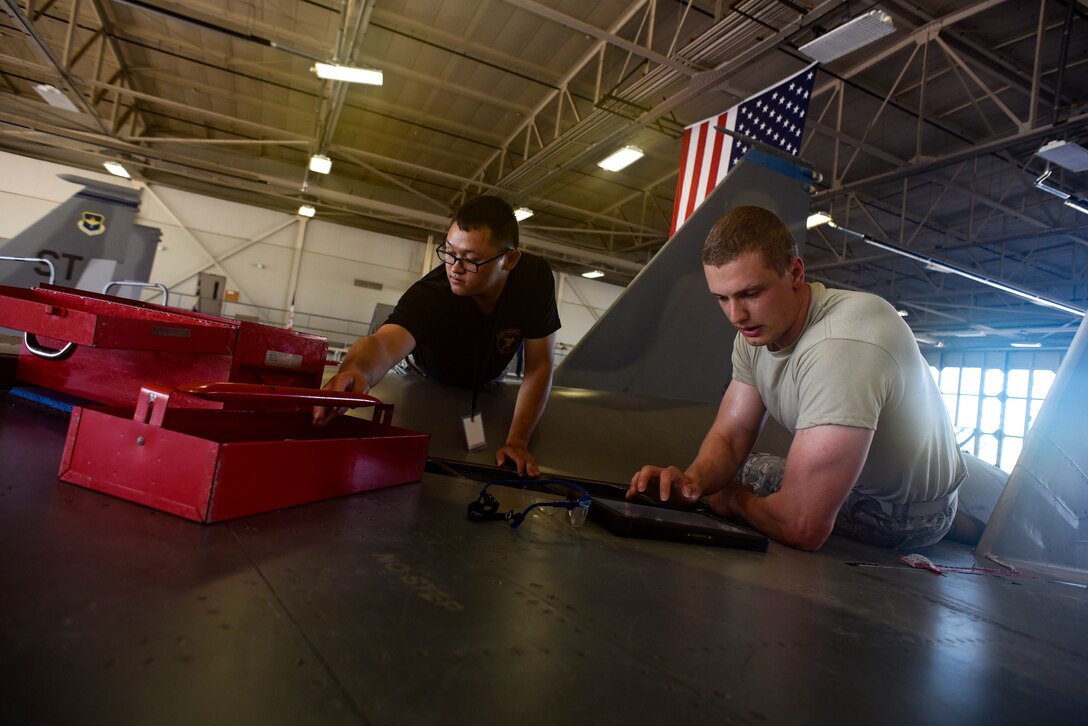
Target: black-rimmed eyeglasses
470, 265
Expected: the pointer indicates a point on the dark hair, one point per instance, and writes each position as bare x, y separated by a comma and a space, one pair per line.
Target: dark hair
750, 229
493, 213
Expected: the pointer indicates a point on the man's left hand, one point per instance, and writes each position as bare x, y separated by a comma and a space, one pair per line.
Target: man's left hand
520, 457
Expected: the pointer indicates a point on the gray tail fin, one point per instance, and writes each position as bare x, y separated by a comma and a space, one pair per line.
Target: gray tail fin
665, 336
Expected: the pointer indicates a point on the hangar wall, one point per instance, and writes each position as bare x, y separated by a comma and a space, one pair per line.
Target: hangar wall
195, 228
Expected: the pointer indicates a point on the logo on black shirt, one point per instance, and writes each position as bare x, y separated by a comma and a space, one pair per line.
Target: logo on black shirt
506, 341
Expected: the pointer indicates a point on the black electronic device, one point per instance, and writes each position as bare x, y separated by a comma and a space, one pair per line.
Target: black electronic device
640, 520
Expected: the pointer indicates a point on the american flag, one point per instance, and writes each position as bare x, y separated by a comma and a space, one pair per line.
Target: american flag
775, 117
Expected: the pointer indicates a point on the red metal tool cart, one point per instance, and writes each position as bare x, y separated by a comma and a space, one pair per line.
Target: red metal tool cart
103, 348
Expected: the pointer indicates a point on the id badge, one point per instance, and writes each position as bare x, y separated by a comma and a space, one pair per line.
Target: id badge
474, 432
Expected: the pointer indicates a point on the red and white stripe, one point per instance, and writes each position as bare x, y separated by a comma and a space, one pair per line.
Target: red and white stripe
703, 163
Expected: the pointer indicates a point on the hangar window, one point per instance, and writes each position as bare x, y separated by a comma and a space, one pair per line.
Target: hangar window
993, 398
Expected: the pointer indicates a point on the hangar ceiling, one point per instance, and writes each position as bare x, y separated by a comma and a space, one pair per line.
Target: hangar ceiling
926, 139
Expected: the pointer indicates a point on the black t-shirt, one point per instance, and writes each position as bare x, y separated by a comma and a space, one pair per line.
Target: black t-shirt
457, 343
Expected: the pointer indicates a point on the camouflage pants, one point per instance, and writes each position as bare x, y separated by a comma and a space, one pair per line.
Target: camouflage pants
860, 517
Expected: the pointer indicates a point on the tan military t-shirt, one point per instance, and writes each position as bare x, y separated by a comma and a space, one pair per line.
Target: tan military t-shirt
857, 363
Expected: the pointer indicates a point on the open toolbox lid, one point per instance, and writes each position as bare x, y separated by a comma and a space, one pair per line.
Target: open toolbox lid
208, 465
104, 321
101, 348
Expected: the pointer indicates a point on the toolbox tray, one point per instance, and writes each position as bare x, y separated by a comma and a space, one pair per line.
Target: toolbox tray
101, 347
209, 465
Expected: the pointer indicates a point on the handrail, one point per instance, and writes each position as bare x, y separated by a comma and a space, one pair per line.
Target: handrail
49, 263
136, 283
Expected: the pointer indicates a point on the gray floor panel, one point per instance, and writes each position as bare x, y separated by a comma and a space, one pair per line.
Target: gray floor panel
392, 608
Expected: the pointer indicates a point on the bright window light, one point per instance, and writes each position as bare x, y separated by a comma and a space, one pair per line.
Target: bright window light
334, 72
593, 274
320, 164
306, 211
116, 169
522, 213
623, 158
816, 219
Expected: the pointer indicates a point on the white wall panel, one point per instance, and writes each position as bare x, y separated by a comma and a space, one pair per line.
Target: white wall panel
334, 256
29, 189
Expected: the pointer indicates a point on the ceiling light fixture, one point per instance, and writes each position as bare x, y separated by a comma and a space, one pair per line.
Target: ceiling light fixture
816, 219
1026, 345
522, 213
848, 37
306, 211
903, 313
1078, 205
621, 159
1069, 200
593, 274
320, 164
1065, 154
55, 97
116, 169
333, 72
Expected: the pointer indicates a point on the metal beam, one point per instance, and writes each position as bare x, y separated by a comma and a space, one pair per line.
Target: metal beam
607, 36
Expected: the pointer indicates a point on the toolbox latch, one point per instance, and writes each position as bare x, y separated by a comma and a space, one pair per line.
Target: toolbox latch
151, 405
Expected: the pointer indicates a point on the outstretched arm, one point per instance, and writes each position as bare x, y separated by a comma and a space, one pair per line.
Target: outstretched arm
369, 359
532, 398
720, 456
822, 467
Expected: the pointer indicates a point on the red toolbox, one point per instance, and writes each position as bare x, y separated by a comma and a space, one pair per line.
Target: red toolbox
103, 348
262, 453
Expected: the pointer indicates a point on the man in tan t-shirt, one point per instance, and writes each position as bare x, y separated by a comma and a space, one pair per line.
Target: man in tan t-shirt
873, 454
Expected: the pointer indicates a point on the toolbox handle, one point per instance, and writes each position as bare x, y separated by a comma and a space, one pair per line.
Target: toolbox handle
153, 400
31, 342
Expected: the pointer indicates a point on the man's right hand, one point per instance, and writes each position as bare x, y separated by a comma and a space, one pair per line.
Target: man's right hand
668, 480
346, 380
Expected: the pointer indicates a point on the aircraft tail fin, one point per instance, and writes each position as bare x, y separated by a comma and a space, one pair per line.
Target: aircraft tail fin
665, 335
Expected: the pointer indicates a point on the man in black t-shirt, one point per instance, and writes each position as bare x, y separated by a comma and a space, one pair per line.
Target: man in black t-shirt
463, 322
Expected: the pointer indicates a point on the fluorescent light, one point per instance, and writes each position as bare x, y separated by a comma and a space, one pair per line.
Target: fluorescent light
816, 219
334, 72
522, 213
848, 37
320, 164
623, 158
1065, 154
903, 313
1027, 345
306, 211
929, 340
593, 274
1077, 205
116, 169
55, 97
